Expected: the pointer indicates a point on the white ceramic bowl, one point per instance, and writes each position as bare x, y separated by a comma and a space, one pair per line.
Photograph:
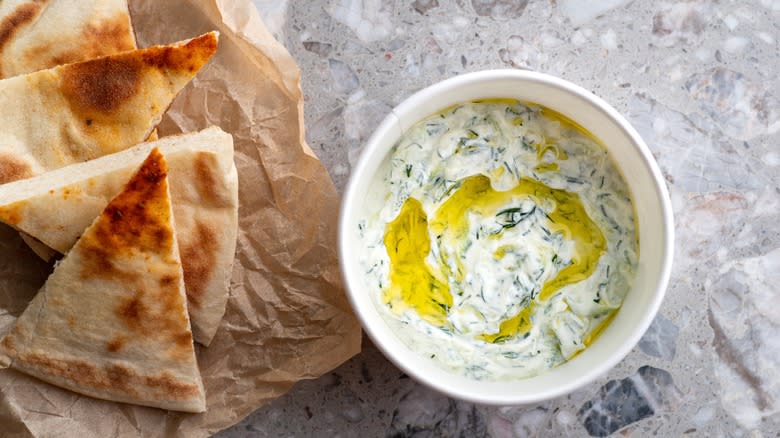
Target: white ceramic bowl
651, 200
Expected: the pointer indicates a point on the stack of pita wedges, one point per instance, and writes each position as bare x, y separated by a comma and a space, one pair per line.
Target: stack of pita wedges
147, 228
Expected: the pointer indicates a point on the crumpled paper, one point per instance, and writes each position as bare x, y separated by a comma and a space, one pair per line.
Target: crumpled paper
287, 318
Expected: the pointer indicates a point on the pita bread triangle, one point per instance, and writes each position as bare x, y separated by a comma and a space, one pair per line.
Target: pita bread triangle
64, 31
55, 208
111, 321
81, 111
94, 29
42, 34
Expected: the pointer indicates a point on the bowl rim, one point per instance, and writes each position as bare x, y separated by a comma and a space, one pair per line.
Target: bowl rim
358, 177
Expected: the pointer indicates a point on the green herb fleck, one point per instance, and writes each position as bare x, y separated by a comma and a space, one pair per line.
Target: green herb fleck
510, 217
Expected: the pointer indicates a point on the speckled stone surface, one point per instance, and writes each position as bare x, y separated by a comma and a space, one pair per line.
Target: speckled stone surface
700, 80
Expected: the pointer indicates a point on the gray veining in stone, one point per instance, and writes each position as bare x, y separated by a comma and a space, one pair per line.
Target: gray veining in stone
642, 395
698, 79
660, 340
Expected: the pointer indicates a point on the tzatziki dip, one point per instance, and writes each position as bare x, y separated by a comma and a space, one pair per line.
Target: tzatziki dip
503, 239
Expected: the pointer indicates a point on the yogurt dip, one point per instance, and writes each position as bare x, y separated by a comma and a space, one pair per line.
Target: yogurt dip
505, 242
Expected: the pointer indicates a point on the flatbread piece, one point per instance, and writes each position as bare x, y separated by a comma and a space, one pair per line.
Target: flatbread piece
111, 321
56, 207
81, 111
36, 34
39, 34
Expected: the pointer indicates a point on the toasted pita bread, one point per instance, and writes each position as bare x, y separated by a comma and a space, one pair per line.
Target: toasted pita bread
36, 34
42, 250
56, 207
81, 111
111, 321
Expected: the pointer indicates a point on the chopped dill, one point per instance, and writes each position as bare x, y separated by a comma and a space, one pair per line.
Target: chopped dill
513, 111
510, 217
434, 128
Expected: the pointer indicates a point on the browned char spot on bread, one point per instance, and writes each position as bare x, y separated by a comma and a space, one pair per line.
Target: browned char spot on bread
207, 179
101, 85
198, 258
187, 58
138, 219
113, 35
10, 341
134, 312
116, 344
23, 15
168, 280
7, 344
157, 314
12, 214
167, 384
112, 378
12, 168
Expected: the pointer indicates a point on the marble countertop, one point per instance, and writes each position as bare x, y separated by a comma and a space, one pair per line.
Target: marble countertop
698, 79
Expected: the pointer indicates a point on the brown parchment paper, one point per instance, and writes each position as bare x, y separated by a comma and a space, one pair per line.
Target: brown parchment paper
287, 318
